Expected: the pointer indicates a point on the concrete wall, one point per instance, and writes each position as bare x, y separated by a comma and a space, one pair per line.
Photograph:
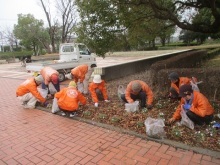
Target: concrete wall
125, 69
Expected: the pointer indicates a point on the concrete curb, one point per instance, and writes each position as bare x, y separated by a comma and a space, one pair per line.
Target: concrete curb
175, 144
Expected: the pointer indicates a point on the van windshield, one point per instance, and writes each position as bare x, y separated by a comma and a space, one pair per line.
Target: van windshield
84, 50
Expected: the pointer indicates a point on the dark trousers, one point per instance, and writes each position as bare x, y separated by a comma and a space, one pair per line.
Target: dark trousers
56, 86
198, 119
140, 96
174, 94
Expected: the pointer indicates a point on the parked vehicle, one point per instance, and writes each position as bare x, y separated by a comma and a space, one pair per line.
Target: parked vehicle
70, 56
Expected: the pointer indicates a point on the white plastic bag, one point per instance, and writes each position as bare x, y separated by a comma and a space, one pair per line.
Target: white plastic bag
55, 107
52, 89
185, 120
121, 90
132, 107
154, 128
43, 92
80, 87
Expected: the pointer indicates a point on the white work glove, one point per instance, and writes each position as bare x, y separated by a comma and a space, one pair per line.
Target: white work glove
107, 101
96, 104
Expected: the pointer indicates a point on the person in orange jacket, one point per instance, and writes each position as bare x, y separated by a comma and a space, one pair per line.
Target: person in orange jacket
28, 94
81, 75
138, 89
196, 105
50, 75
176, 82
97, 89
68, 99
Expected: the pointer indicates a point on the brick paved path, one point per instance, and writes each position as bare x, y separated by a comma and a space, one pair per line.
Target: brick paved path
37, 137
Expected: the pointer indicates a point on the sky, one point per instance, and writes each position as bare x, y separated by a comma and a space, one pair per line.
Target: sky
9, 9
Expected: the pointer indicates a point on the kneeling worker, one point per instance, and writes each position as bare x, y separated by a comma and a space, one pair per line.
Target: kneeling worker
196, 105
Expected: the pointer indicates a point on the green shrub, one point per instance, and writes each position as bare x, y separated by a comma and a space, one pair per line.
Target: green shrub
20, 55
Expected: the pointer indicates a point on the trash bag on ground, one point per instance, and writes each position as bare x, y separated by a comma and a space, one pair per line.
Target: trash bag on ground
80, 87
132, 107
154, 128
185, 120
55, 107
43, 92
121, 90
52, 89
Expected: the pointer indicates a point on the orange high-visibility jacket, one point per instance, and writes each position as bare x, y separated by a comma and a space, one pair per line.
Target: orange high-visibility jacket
29, 86
101, 86
69, 98
79, 72
182, 81
200, 106
46, 73
145, 88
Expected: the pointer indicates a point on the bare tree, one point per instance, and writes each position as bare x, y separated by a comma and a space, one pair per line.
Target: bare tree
67, 9
53, 28
8, 37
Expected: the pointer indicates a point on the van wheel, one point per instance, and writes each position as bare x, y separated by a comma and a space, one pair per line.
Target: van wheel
61, 76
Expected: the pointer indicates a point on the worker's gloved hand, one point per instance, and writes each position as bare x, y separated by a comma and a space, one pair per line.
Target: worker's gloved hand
149, 106
107, 101
96, 104
186, 107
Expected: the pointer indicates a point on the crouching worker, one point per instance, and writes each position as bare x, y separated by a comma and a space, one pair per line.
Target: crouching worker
177, 81
28, 94
68, 99
138, 90
97, 89
196, 105
50, 75
81, 75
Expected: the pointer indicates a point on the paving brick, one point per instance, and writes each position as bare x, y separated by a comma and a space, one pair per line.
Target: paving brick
109, 156
162, 155
12, 161
205, 162
163, 162
131, 153
91, 152
76, 160
152, 157
142, 151
207, 158
174, 161
80, 154
24, 161
120, 154
141, 159
86, 159
35, 159
97, 158
214, 160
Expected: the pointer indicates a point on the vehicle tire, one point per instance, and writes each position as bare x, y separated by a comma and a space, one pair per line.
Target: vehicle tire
61, 76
